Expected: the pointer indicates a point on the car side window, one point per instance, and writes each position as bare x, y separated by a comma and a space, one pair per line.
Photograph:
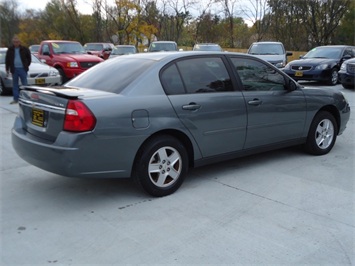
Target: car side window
204, 75
45, 49
171, 81
348, 52
257, 76
196, 75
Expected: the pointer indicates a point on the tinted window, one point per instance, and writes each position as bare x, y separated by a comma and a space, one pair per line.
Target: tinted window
112, 75
325, 52
257, 76
123, 50
266, 49
156, 47
198, 75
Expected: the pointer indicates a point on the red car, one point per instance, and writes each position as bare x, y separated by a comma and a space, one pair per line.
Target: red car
100, 49
69, 57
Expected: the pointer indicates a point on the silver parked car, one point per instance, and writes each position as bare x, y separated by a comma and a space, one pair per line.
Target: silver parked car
167, 112
39, 74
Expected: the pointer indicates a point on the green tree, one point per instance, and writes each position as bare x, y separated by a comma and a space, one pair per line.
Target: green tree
9, 21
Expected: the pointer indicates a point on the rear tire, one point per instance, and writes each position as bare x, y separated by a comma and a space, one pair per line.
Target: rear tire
322, 134
161, 166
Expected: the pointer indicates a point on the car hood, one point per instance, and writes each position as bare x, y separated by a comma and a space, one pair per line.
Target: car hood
313, 61
36, 67
270, 57
82, 57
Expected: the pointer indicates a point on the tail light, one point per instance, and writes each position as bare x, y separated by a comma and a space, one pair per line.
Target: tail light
78, 117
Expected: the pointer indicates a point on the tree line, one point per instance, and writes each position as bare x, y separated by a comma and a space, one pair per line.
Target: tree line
299, 24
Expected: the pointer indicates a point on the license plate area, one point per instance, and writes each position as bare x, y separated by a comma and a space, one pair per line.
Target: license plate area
40, 81
299, 74
38, 117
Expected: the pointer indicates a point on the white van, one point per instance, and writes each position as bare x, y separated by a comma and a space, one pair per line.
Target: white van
272, 52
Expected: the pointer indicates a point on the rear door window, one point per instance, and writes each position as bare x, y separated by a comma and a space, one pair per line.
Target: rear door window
196, 75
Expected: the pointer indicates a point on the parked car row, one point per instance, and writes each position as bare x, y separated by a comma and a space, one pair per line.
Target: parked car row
323, 63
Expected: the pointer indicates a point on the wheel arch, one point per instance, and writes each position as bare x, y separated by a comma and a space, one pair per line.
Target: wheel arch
333, 111
176, 134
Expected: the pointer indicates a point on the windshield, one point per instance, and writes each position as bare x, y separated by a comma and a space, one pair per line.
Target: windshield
104, 76
324, 52
123, 50
199, 47
68, 48
267, 49
34, 48
35, 59
156, 47
94, 47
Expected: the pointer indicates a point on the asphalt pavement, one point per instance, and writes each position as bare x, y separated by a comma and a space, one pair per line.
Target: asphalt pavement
278, 208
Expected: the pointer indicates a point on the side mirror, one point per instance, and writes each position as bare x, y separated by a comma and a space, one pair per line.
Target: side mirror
289, 53
46, 53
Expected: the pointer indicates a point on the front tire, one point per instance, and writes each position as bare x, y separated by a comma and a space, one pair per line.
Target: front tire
333, 79
322, 134
161, 166
3, 90
62, 74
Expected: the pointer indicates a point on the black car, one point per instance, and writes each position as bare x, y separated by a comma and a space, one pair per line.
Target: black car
320, 64
347, 74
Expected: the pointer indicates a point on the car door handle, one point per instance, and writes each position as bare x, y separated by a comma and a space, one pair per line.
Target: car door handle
255, 102
191, 107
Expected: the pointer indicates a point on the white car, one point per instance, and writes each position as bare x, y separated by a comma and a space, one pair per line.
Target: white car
39, 74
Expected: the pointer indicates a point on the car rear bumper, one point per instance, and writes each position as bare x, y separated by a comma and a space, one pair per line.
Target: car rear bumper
72, 155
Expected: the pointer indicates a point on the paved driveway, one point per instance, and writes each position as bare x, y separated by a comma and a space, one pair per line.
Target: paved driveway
283, 207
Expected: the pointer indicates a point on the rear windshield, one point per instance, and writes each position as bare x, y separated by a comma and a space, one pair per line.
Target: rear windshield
267, 49
112, 75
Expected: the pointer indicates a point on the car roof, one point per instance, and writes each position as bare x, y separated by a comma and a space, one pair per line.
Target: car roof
171, 55
208, 44
333, 46
62, 41
267, 42
163, 42
124, 45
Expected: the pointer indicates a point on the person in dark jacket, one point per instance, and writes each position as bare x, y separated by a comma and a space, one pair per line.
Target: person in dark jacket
17, 61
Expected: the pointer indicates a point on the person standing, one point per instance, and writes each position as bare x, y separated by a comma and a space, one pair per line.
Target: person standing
17, 61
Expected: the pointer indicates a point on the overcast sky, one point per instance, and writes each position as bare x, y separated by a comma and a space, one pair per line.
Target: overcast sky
83, 5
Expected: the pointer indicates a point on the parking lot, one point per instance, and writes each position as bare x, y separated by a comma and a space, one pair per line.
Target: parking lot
278, 208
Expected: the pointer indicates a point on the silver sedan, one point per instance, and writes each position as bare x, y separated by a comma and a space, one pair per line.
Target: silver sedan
39, 74
152, 116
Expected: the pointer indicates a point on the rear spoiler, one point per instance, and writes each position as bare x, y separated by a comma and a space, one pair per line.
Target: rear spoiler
60, 91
